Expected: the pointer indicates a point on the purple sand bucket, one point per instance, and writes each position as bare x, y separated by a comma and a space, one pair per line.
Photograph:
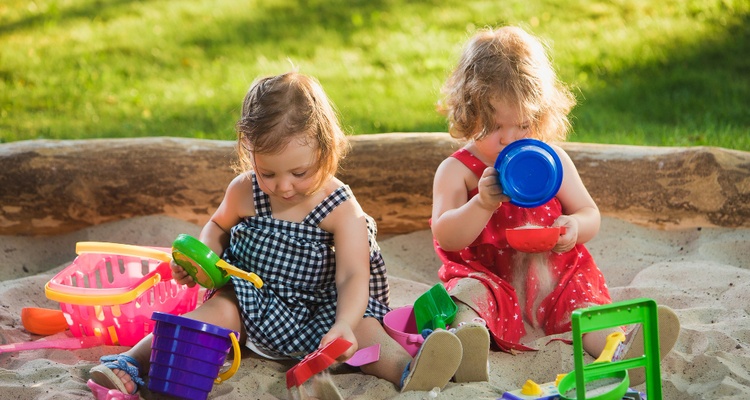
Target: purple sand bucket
186, 356
401, 324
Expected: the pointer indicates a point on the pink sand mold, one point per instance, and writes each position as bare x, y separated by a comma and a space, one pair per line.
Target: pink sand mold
401, 324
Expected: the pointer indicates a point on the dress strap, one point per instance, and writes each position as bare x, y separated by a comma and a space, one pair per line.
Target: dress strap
338, 196
262, 205
470, 161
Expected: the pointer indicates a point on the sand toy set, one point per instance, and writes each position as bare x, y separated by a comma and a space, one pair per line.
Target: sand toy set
116, 294
607, 377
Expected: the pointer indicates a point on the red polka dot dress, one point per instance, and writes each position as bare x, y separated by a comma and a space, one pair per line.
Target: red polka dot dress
549, 286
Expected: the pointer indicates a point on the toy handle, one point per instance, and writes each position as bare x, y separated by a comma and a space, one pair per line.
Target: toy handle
438, 322
235, 361
610, 348
122, 250
234, 271
70, 343
415, 338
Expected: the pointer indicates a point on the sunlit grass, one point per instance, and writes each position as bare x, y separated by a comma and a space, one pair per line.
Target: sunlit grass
672, 72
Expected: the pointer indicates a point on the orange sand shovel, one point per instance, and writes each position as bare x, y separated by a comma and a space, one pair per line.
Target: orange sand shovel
43, 321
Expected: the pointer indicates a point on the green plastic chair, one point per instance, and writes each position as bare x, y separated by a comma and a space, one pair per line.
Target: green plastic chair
636, 311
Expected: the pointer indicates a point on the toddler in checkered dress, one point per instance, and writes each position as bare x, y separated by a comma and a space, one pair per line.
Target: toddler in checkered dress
287, 218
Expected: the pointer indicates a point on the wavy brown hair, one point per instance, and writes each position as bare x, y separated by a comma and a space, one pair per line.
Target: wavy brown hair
511, 65
290, 106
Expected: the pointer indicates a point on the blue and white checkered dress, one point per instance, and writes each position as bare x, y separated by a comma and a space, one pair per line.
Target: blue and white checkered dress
297, 304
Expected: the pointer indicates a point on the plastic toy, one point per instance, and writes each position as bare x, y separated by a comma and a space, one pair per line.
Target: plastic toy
530, 172
110, 290
434, 309
206, 268
550, 391
401, 325
365, 356
606, 378
636, 311
70, 343
533, 390
187, 355
551, 394
315, 362
534, 239
102, 393
43, 321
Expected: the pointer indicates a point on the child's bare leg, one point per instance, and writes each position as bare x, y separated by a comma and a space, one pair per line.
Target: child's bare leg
594, 342
221, 310
434, 365
471, 330
393, 357
463, 294
464, 313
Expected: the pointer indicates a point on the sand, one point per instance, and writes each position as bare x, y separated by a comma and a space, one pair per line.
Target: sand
703, 274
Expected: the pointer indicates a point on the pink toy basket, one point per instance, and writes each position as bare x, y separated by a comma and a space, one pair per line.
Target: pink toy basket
111, 290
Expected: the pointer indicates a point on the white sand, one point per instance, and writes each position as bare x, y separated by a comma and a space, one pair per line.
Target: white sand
703, 274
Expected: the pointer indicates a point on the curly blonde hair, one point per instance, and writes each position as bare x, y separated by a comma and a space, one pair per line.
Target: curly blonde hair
511, 65
279, 108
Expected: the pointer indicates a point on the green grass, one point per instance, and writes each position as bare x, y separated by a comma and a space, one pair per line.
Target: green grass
664, 73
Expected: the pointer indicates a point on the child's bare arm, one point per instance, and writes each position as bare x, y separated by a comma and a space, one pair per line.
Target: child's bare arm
215, 233
456, 219
580, 214
236, 204
349, 226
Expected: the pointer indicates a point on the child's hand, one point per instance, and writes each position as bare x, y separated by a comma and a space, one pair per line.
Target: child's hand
180, 275
568, 240
341, 330
490, 193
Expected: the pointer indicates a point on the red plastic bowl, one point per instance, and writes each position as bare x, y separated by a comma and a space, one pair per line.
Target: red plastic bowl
534, 239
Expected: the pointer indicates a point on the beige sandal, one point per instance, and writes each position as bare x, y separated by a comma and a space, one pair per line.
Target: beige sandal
435, 363
475, 342
669, 331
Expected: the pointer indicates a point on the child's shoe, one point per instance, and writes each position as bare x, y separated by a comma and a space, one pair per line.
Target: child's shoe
669, 331
475, 343
435, 363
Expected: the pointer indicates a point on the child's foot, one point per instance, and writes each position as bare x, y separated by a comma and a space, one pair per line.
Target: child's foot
669, 330
475, 342
119, 372
435, 363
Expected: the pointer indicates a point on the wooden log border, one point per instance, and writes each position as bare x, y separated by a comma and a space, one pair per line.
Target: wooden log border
54, 187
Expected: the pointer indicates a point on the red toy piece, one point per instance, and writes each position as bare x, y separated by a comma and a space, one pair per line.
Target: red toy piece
534, 239
315, 362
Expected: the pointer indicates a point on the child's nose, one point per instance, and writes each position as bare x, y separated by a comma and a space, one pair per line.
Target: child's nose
284, 185
507, 137
510, 135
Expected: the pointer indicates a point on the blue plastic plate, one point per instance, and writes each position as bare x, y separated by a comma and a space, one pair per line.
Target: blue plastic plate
530, 172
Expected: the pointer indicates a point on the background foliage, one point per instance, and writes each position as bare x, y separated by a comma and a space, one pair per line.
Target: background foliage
668, 72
